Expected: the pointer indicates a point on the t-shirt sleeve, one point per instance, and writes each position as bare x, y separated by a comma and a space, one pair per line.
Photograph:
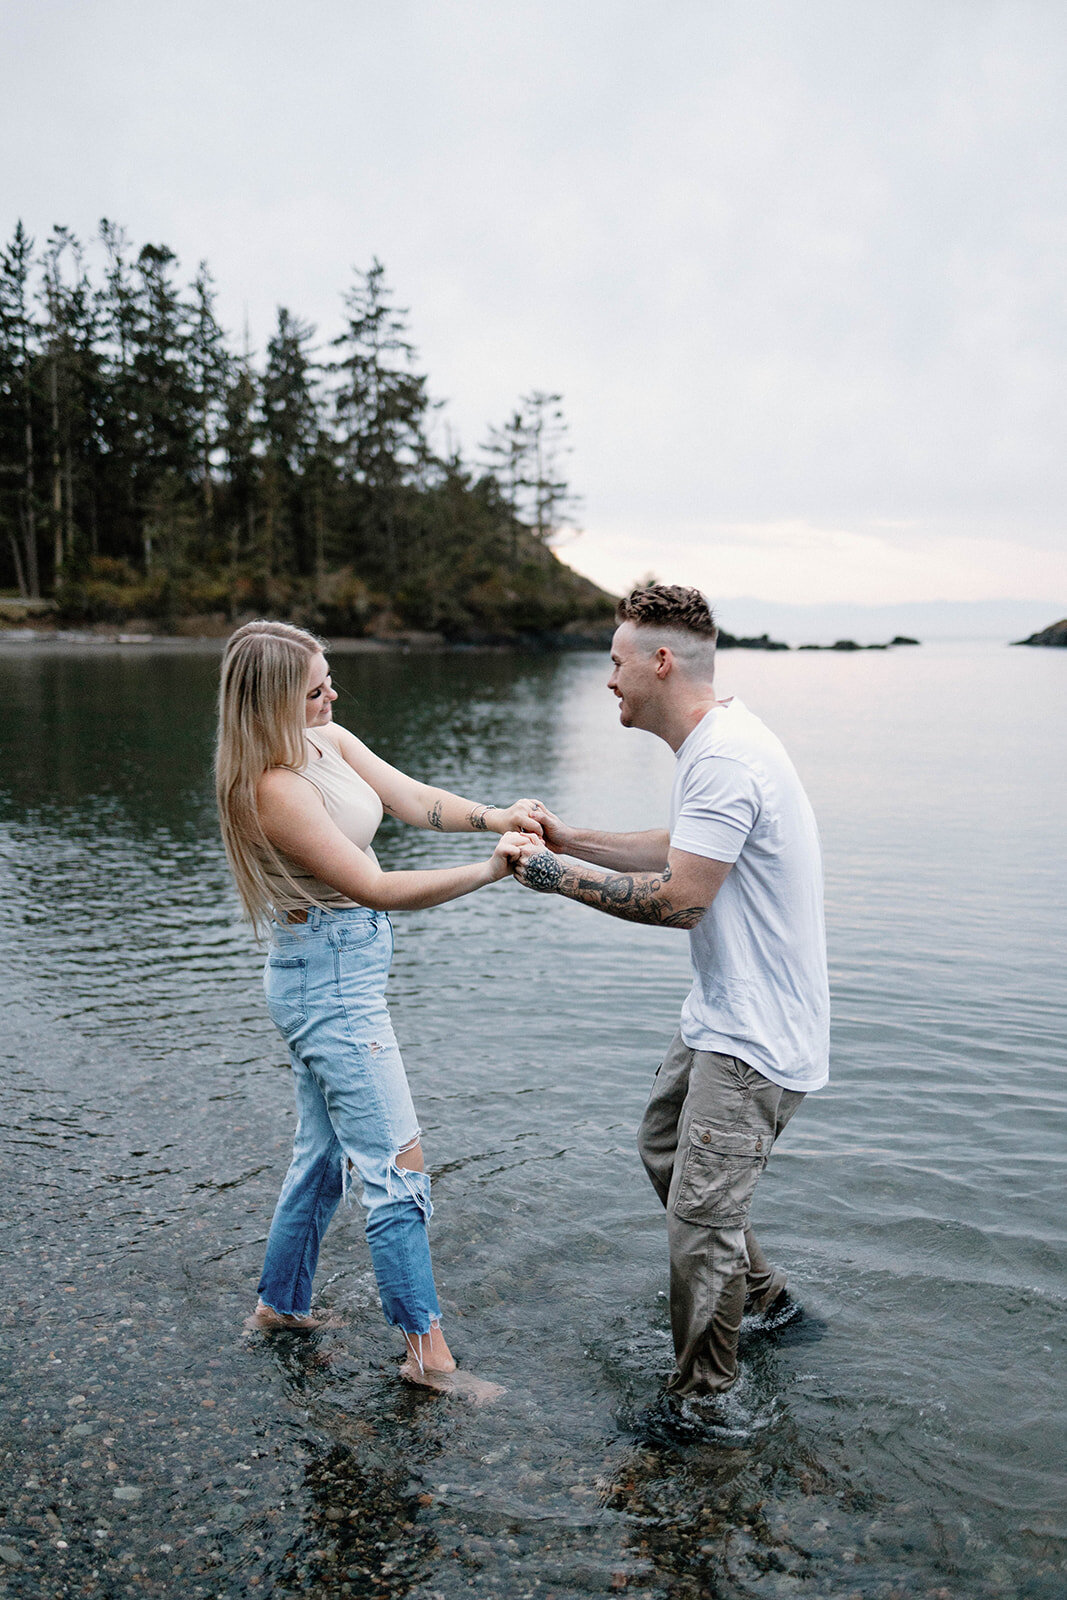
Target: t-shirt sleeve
719, 808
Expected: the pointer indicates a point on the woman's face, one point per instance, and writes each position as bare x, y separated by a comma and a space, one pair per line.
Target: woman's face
318, 704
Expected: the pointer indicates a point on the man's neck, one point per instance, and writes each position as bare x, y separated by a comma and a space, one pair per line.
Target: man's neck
680, 721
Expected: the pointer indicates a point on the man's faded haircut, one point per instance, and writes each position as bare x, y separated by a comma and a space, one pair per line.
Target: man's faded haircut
682, 616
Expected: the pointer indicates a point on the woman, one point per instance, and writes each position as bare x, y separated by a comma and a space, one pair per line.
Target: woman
299, 802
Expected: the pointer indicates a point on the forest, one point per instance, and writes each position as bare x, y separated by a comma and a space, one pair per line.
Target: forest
153, 467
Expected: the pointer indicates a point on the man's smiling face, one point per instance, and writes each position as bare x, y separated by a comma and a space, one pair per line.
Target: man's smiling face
633, 676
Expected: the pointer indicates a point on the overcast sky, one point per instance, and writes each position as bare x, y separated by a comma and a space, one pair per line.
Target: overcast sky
797, 266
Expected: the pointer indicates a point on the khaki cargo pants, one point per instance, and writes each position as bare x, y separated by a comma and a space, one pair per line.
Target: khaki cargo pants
710, 1125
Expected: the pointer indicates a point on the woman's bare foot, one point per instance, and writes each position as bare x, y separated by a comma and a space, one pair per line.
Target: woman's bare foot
431, 1364
265, 1319
465, 1385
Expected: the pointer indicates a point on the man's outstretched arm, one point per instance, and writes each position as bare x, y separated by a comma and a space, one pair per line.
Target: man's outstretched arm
624, 852
677, 896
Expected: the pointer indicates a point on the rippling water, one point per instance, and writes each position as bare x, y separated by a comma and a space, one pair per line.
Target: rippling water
904, 1439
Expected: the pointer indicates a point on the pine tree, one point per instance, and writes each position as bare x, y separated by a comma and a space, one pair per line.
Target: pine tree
76, 396
210, 369
240, 441
19, 345
381, 406
120, 434
292, 434
167, 408
525, 458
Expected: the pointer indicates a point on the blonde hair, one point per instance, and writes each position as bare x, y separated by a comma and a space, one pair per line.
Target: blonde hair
261, 725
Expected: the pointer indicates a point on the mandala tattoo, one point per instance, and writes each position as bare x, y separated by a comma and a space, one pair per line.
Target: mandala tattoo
543, 872
434, 817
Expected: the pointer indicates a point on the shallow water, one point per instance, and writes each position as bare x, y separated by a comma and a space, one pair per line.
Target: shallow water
905, 1438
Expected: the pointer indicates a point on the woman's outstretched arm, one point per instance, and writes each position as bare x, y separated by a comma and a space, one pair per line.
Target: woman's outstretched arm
295, 820
421, 804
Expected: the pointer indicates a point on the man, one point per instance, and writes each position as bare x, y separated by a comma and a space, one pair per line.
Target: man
740, 869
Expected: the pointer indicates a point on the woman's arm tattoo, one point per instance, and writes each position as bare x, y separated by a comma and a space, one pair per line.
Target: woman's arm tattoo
633, 896
433, 817
477, 817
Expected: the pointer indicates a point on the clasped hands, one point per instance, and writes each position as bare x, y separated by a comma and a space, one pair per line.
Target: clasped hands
528, 846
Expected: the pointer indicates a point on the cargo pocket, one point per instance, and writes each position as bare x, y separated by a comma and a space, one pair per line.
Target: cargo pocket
719, 1176
285, 985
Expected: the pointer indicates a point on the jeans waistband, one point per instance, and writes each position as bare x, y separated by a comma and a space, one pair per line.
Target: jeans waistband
316, 917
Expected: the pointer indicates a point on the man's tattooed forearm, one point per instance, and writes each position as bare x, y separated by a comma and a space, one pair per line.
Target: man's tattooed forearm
635, 897
433, 817
477, 817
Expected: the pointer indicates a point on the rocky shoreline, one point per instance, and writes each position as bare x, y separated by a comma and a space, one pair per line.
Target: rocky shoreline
23, 623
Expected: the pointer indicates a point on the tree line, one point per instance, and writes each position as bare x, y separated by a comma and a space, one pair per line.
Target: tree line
149, 464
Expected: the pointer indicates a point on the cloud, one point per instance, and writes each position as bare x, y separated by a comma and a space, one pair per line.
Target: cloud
803, 563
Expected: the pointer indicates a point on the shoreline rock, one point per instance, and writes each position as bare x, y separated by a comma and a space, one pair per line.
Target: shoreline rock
1054, 636
844, 645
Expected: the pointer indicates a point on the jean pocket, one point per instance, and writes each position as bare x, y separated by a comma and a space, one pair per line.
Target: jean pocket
285, 985
356, 935
719, 1176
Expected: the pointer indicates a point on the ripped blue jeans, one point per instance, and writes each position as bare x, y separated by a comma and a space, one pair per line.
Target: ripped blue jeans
325, 985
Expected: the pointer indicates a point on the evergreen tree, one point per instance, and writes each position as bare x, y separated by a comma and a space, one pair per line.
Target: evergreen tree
525, 458
381, 407
120, 439
19, 335
210, 368
293, 479
240, 440
167, 407
76, 397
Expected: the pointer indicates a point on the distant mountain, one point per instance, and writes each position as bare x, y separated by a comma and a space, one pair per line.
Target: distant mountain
927, 620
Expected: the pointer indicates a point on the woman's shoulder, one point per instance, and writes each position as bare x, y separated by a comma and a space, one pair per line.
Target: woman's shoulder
332, 734
344, 743
280, 784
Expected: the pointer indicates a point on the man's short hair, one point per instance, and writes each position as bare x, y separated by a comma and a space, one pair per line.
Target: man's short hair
668, 614
668, 605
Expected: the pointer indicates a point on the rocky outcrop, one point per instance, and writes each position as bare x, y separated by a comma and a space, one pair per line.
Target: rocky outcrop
763, 641
850, 644
1055, 634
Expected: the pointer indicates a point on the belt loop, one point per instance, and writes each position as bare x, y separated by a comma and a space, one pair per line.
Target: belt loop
314, 916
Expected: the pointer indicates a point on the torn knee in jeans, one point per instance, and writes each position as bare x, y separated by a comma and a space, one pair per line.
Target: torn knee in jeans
410, 1155
414, 1179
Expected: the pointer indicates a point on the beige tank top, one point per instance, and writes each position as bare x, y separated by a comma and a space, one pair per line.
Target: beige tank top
351, 803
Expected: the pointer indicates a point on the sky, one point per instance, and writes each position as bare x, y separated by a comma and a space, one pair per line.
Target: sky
796, 266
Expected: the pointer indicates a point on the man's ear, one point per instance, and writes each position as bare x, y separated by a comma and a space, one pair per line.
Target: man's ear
664, 661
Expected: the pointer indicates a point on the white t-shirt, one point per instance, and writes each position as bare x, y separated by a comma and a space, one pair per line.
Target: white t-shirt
759, 952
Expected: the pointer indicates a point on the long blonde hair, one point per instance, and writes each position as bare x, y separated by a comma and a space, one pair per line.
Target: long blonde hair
261, 725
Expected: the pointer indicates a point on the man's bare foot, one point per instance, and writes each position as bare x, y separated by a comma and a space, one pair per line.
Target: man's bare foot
265, 1319
464, 1385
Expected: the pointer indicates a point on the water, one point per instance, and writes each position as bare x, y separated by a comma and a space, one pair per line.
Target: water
904, 1439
